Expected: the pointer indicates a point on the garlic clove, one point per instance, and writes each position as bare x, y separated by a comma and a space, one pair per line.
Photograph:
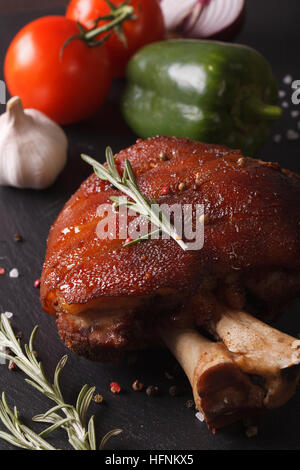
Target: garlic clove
33, 148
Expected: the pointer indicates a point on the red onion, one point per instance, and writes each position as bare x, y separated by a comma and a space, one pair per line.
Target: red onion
175, 12
203, 18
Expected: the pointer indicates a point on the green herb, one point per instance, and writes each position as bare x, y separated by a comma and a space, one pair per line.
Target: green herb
127, 184
73, 419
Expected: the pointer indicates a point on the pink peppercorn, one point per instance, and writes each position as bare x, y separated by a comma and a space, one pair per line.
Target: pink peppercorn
115, 387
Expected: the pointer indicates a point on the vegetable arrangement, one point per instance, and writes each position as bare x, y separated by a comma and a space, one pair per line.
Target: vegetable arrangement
81, 436
205, 90
60, 67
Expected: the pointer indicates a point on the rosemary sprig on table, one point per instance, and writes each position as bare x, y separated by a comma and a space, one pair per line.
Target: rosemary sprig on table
127, 184
20, 435
81, 435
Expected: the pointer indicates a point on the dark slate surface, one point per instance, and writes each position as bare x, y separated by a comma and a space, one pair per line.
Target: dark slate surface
148, 423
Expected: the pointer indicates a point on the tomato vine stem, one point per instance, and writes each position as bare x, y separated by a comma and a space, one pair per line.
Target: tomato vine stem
116, 18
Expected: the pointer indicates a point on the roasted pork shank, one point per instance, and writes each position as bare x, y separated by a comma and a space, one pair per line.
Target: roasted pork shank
207, 305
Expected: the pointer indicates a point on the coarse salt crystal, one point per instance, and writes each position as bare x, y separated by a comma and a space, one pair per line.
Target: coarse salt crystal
14, 273
277, 138
281, 93
8, 314
292, 135
65, 231
200, 416
284, 104
295, 113
288, 79
76, 230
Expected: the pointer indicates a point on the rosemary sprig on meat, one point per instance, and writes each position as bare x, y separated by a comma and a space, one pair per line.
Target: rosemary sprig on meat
127, 184
73, 419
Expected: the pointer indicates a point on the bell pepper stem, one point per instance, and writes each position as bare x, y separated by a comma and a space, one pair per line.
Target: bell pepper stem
258, 109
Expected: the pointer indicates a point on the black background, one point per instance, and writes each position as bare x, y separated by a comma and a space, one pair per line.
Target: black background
272, 27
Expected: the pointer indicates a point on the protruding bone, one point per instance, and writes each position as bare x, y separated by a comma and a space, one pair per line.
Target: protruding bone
255, 367
221, 391
261, 350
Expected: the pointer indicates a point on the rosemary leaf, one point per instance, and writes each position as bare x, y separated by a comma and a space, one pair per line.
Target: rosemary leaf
20, 436
92, 433
127, 184
14, 441
46, 419
106, 438
74, 420
58, 424
85, 403
36, 440
144, 237
56, 408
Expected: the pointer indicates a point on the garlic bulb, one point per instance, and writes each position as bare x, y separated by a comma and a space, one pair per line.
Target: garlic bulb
33, 149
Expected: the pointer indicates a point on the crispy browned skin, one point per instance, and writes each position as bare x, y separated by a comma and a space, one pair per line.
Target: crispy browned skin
252, 245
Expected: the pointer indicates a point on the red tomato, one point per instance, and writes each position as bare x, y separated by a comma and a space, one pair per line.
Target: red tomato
148, 27
67, 88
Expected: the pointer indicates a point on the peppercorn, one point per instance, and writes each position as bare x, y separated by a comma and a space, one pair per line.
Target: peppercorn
163, 157
12, 366
190, 404
115, 387
152, 391
137, 386
18, 238
174, 391
98, 398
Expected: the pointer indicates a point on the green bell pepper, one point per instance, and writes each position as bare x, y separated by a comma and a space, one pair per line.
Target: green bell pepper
206, 90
